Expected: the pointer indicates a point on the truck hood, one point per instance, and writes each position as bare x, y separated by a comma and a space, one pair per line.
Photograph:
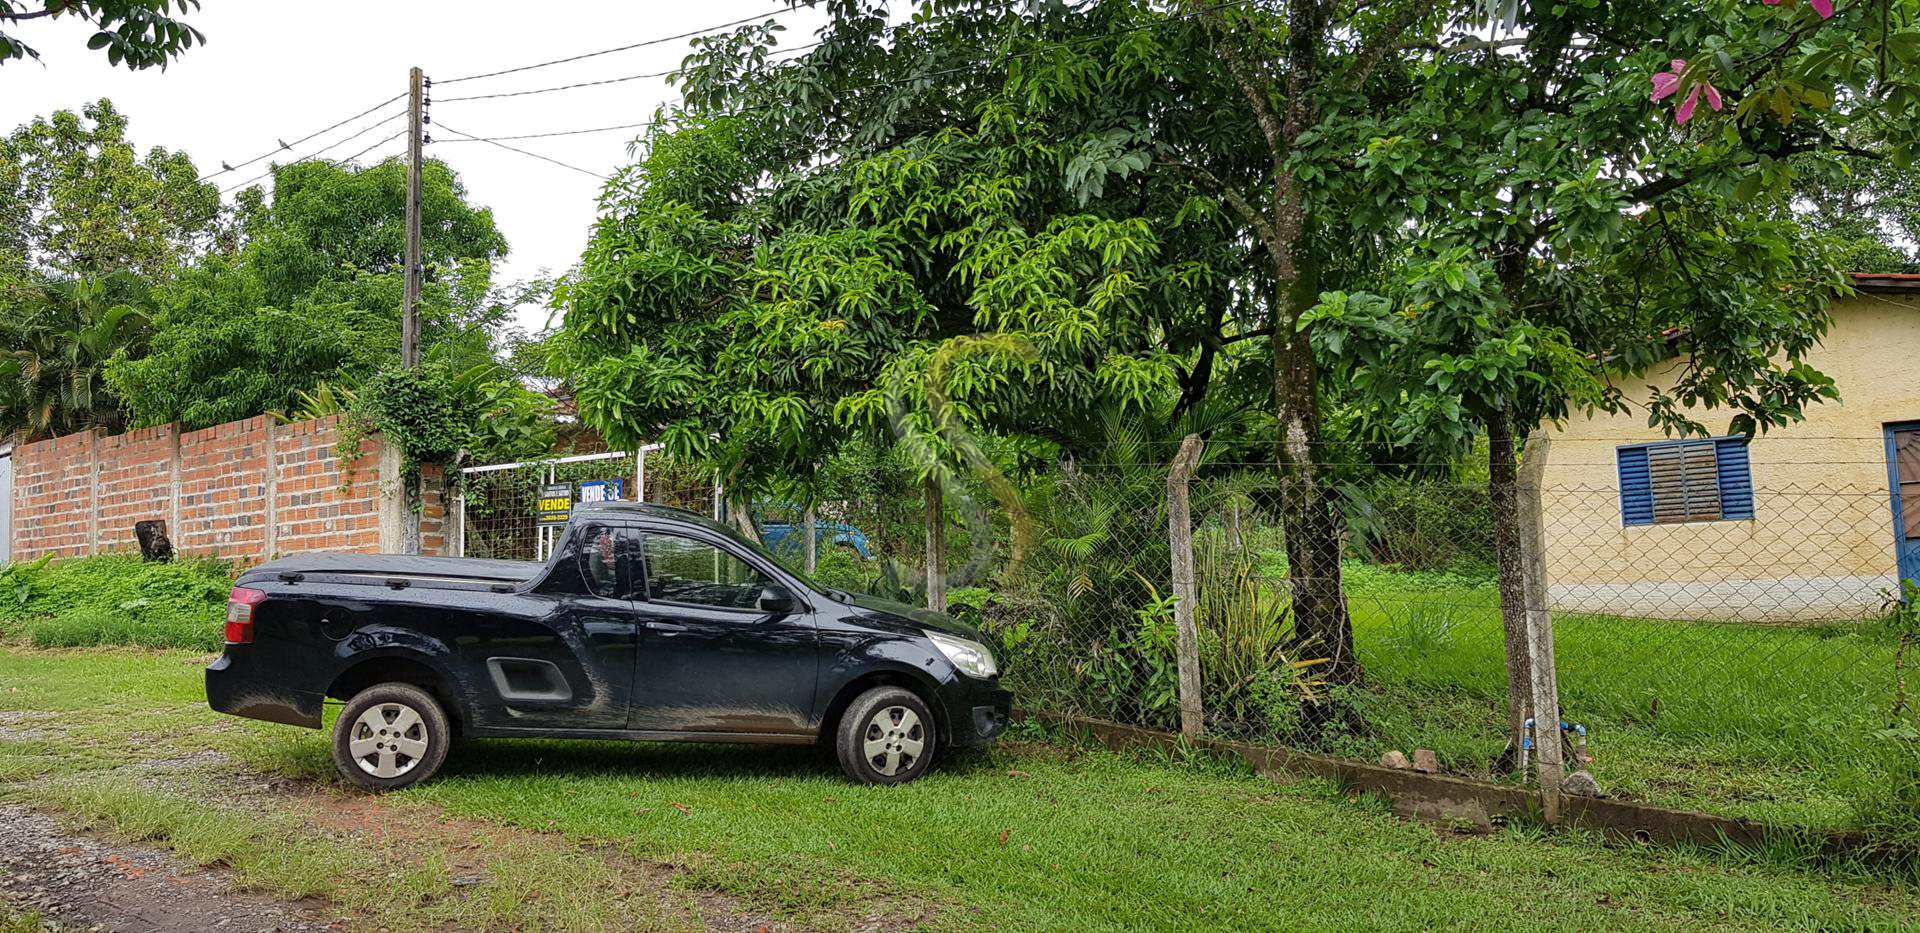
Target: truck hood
912, 616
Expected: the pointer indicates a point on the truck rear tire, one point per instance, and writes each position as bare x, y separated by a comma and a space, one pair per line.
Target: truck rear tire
886, 736
390, 736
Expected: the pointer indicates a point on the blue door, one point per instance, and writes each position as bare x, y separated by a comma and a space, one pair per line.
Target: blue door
1903, 473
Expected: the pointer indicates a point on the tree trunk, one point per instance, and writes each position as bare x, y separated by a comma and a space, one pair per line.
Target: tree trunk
1322, 627
1186, 594
936, 548
1544, 676
740, 511
1503, 495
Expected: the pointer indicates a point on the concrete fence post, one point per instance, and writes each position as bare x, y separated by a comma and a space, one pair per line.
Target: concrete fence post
93, 492
270, 515
1544, 679
174, 532
393, 499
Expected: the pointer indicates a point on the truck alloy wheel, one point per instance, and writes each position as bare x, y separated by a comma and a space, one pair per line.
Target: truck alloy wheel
886, 736
390, 736
388, 740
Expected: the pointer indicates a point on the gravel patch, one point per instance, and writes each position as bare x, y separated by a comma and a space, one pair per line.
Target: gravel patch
84, 882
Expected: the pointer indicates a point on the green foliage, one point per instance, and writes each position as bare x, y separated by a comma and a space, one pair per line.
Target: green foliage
57, 337
316, 289
1418, 524
78, 199
438, 416
116, 599
220, 351
787, 267
414, 409
136, 33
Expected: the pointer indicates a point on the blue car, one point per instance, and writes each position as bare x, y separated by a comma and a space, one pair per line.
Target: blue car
788, 538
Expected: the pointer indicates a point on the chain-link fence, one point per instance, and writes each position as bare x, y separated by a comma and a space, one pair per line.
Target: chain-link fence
1736, 652
1742, 663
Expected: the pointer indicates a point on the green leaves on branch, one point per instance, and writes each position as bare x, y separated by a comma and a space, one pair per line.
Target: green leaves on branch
434, 415
136, 33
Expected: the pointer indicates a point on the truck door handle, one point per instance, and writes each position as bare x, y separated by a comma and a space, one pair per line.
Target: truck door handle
668, 627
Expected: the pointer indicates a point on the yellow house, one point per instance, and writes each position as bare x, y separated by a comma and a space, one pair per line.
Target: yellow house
1813, 521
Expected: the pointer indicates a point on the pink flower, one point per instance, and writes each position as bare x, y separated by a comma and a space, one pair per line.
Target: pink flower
1667, 82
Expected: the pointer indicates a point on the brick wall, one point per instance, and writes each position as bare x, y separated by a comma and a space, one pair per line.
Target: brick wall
247, 490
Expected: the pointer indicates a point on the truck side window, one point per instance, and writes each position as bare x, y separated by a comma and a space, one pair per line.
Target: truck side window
682, 570
600, 560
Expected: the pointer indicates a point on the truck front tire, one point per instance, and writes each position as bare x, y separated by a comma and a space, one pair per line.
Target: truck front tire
886, 736
390, 736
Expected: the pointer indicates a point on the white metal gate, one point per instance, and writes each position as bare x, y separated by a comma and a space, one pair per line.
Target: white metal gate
495, 505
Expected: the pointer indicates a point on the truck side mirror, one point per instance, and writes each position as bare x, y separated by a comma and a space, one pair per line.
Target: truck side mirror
775, 600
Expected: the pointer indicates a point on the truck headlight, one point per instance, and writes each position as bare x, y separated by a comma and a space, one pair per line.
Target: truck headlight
971, 657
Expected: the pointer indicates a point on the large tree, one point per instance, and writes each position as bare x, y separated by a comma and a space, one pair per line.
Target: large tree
313, 296
1556, 227
943, 248
77, 198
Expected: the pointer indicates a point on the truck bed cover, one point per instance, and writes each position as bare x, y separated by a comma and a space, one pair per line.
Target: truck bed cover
381, 567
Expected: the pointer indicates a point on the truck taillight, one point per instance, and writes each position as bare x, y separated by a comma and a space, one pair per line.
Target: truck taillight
240, 605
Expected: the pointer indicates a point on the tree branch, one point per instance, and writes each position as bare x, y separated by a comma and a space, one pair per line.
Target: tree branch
1375, 49
1261, 223
1271, 125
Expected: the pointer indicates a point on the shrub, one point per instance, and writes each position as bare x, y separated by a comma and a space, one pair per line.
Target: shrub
1423, 524
116, 599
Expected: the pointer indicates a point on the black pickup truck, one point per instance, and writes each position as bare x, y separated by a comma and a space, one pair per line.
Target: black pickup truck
649, 623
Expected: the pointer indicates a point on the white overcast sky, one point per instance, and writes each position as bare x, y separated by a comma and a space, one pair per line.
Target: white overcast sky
276, 69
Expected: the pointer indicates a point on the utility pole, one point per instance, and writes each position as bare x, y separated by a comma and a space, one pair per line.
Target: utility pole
410, 298
409, 308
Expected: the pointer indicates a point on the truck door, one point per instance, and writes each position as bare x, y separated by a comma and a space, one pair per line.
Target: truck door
572, 669
710, 658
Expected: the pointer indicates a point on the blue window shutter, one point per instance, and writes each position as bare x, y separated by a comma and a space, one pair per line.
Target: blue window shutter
1636, 490
1736, 478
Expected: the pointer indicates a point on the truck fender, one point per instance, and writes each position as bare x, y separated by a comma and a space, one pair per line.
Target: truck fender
882, 659
378, 641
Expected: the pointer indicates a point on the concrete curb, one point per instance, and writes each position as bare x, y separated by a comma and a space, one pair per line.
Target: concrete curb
1447, 798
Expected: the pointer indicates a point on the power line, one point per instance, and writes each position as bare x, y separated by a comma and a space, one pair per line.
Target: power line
624, 48
377, 144
284, 146
563, 87
597, 129
536, 155
789, 53
782, 55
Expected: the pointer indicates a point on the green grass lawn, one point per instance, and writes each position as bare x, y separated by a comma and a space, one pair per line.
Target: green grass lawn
1031, 835
1770, 722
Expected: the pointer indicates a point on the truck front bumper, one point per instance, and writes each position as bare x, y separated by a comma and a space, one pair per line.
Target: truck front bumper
977, 711
231, 690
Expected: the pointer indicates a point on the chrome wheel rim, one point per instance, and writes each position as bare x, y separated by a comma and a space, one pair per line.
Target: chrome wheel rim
894, 740
388, 740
